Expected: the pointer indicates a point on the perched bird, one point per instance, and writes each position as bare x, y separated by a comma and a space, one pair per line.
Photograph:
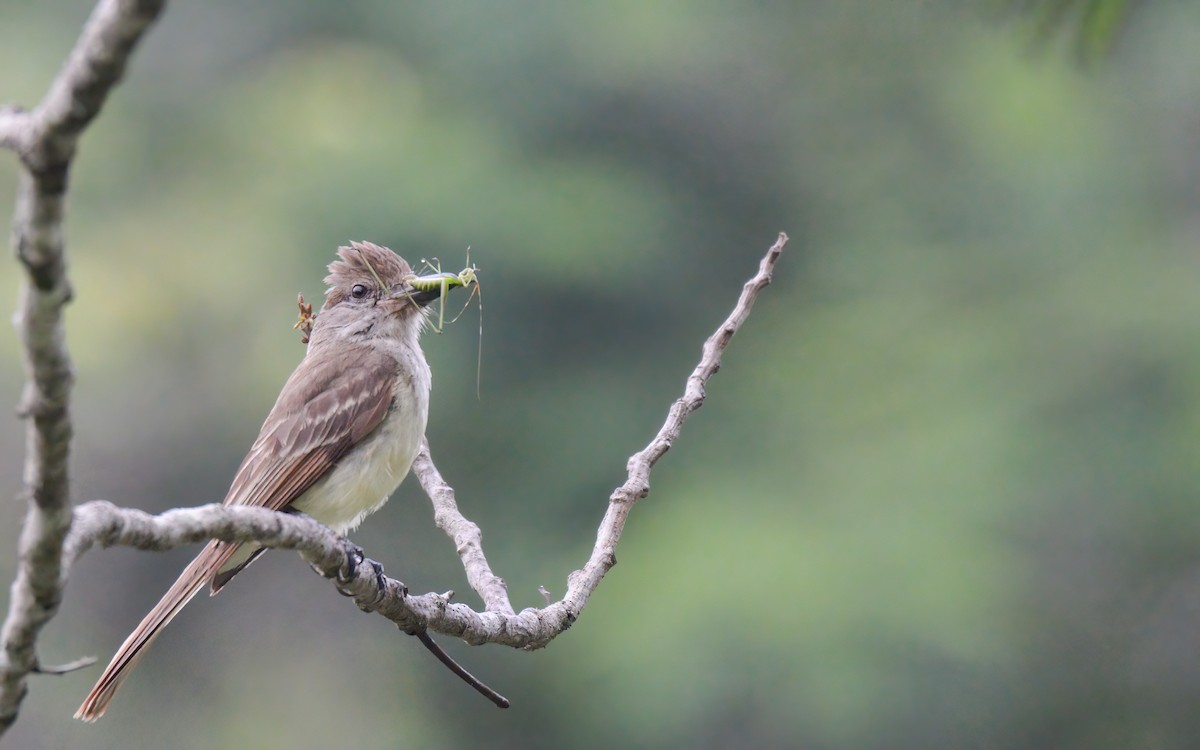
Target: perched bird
343, 433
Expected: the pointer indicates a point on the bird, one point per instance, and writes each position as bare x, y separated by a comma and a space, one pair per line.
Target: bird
342, 435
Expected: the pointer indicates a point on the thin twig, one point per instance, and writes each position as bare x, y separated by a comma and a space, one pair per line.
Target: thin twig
458, 669
582, 583
71, 666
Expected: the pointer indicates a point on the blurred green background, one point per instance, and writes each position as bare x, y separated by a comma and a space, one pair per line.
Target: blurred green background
943, 490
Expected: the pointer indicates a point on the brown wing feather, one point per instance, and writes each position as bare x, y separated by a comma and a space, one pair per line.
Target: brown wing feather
325, 408
332, 422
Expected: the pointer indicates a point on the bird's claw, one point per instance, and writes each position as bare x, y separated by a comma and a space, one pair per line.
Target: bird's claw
354, 557
346, 577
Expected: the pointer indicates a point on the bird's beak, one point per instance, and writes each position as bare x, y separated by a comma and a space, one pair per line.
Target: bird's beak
403, 293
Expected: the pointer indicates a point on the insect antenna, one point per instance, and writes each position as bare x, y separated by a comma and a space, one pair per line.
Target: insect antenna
468, 277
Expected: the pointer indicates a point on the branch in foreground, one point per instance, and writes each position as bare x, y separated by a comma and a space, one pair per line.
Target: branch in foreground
44, 139
336, 558
101, 523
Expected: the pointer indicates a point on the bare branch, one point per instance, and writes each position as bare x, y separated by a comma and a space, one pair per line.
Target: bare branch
583, 582
468, 539
101, 523
69, 667
45, 139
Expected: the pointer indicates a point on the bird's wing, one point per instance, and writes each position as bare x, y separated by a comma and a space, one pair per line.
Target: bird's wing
326, 407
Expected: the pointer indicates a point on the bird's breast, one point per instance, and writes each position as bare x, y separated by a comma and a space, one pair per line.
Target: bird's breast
372, 470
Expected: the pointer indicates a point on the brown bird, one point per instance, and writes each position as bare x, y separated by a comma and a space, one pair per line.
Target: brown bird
343, 433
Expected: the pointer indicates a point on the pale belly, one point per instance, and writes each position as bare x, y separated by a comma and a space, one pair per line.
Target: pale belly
364, 479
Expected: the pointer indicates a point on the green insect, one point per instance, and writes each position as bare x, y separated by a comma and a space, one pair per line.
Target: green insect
443, 282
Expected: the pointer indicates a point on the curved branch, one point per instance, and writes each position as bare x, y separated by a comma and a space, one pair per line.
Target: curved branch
102, 523
468, 539
582, 583
44, 140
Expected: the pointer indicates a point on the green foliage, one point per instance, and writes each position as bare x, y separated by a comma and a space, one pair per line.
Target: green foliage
1091, 26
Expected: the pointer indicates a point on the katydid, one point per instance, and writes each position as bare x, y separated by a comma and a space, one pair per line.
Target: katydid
443, 282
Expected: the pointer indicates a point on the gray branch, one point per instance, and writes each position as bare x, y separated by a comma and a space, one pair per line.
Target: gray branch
44, 140
582, 583
468, 539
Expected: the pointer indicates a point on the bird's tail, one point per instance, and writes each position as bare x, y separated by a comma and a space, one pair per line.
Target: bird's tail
193, 578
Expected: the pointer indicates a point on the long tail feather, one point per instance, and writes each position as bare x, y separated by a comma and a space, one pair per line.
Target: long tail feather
193, 578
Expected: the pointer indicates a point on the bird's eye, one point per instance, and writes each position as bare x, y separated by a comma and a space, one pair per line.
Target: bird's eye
358, 291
